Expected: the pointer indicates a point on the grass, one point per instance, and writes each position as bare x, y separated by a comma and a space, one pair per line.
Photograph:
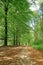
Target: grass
39, 47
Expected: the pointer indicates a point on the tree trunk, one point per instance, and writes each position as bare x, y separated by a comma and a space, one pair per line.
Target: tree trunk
17, 37
6, 11
36, 34
14, 39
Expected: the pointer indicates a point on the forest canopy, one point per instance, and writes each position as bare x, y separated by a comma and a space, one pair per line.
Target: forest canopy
21, 22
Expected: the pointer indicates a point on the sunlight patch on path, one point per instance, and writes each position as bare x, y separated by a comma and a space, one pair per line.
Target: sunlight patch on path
7, 58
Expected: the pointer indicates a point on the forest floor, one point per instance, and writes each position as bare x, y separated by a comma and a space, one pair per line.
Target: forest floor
20, 56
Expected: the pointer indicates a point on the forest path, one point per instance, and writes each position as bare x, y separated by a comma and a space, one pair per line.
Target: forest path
20, 56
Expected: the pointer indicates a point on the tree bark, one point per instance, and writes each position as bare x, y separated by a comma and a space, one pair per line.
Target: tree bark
17, 37
14, 39
6, 11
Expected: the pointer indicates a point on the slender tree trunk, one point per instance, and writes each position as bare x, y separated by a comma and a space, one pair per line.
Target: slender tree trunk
35, 34
6, 11
17, 37
35, 37
17, 40
14, 39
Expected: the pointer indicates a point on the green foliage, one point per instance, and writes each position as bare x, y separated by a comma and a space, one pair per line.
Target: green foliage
19, 21
39, 47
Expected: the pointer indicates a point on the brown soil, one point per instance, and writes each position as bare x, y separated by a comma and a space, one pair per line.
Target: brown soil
20, 56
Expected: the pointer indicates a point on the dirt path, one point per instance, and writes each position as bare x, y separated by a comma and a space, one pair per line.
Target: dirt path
20, 56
